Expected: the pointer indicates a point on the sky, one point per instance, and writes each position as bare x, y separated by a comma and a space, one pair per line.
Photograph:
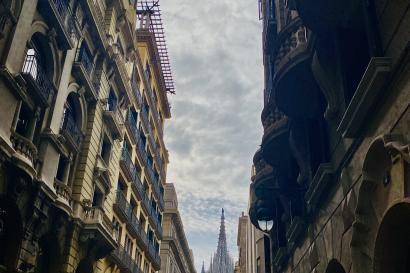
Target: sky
216, 55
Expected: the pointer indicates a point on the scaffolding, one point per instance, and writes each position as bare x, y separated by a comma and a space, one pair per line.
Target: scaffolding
149, 15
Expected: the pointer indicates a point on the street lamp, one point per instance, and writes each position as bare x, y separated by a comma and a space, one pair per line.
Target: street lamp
265, 221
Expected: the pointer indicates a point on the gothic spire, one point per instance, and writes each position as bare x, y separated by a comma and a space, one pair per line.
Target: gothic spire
221, 261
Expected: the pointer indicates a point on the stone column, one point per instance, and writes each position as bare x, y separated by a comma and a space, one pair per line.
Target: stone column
32, 125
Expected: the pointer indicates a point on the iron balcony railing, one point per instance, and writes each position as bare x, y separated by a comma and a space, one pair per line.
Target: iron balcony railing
154, 216
141, 150
84, 58
132, 126
127, 163
124, 259
144, 237
70, 128
153, 253
145, 120
146, 201
67, 17
154, 111
133, 221
33, 69
121, 202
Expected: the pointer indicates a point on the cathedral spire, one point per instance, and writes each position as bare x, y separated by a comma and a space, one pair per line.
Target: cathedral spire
221, 261
222, 248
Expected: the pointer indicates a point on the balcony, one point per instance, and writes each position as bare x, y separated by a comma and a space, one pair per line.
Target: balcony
154, 255
26, 153
127, 165
144, 238
145, 119
141, 151
71, 132
265, 181
95, 12
275, 141
121, 205
123, 259
131, 125
136, 92
63, 19
113, 117
98, 227
83, 68
64, 200
37, 79
136, 183
133, 223
292, 60
155, 220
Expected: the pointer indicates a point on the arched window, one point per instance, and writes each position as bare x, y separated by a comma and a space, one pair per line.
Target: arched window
37, 69
71, 122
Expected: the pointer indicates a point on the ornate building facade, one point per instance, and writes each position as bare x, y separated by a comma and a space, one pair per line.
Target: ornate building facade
330, 181
83, 162
221, 261
176, 256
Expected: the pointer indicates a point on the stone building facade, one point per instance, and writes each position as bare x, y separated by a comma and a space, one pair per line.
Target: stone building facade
253, 248
176, 256
331, 179
83, 162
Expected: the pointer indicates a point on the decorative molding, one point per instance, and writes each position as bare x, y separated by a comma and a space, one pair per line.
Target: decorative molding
367, 93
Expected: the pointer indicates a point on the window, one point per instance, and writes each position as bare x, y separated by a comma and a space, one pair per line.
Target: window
23, 121
105, 151
142, 221
98, 198
117, 230
62, 165
112, 102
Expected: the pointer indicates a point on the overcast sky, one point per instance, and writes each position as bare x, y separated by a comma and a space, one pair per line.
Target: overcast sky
216, 56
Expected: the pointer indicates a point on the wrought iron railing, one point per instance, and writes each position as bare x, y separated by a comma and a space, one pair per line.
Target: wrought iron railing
70, 128
121, 202
123, 257
126, 161
67, 17
133, 220
154, 216
37, 73
132, 126
153, 253
141, 150
145, 120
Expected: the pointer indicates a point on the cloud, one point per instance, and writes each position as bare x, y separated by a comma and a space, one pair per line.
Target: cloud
216, 55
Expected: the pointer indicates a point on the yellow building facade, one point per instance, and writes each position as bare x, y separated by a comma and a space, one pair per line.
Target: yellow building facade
83, 161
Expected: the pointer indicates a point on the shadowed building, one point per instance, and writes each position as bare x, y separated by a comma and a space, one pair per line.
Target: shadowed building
330, 180
82, 158
176, 256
